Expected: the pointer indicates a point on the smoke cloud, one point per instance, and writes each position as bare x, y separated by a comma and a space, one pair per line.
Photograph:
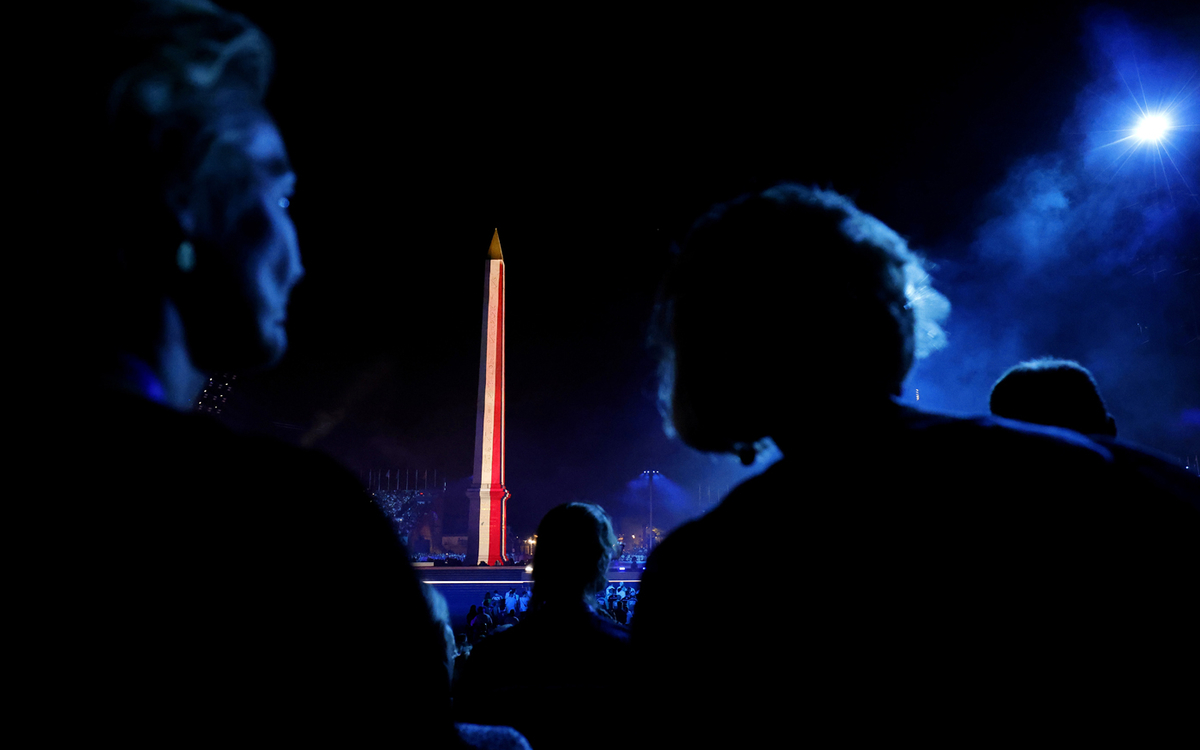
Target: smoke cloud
1091, 252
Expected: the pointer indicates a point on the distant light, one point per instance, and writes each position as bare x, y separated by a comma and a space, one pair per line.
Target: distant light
1152, 127
528, 568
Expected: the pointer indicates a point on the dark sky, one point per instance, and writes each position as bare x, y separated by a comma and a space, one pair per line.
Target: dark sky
592, 141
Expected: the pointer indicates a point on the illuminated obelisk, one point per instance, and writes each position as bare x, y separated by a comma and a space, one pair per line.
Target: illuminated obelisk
488, 497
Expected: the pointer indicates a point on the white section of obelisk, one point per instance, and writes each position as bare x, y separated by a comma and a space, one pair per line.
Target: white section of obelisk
489, 395
485, 519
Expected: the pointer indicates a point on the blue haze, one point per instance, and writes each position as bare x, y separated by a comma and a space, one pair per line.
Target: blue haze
1092, 251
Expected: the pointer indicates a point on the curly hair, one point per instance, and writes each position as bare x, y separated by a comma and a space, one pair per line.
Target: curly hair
792, 274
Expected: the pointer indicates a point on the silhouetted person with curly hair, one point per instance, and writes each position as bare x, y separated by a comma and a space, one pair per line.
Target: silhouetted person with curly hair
958, 577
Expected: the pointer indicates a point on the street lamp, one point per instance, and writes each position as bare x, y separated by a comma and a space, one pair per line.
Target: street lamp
649, 475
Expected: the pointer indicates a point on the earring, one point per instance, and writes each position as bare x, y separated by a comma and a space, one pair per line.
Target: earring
185, 256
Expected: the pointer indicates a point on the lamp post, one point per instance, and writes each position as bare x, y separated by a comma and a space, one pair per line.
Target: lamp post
649, 474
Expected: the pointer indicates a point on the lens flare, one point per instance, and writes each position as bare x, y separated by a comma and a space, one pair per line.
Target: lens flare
1152, 128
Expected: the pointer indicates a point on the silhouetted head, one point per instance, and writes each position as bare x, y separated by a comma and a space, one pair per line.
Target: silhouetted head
575, 546
782, 304
1055, 392
188, 182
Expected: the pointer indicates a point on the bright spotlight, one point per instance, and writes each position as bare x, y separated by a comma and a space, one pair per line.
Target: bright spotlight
1152, 128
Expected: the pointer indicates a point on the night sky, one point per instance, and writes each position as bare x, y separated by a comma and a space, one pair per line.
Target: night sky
592, 141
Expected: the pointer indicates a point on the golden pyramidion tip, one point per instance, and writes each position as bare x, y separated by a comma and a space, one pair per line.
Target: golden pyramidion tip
494, 251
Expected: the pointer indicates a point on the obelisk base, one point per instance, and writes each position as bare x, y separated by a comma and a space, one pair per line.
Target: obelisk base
486, 521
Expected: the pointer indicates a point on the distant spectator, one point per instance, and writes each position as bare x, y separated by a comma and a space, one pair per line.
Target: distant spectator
1056, 392
1064, 393
548, 674
482, 624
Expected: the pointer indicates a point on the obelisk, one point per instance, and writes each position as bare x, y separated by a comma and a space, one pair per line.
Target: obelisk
487, 496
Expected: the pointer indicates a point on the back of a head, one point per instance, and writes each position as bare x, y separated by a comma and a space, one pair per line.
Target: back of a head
1054, 392
778, 294
575, 544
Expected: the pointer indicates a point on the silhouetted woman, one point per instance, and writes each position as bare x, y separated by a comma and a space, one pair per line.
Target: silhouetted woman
225, 585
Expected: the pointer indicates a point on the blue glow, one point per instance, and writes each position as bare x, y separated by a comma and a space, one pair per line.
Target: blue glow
1082, 242
1142, 111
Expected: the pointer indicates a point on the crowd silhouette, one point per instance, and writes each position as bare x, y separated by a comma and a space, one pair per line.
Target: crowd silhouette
995, 576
